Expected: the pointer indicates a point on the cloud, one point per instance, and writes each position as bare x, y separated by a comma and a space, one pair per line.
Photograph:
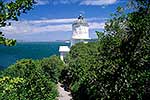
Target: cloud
97, 2
64, 1
42, 2
53, 21
69, 20
80, 2
53, 28
49, 26
96, 25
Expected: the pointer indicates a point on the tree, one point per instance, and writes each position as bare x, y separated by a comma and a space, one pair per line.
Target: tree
78, 69
11, 11
52, 67
120, 68
26, 80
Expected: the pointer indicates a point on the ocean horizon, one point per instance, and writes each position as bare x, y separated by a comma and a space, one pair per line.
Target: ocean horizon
28, 50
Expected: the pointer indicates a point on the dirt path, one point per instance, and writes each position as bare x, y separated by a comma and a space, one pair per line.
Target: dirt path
63, 95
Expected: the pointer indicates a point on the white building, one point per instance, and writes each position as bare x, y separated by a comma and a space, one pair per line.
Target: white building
80, 33
63, 51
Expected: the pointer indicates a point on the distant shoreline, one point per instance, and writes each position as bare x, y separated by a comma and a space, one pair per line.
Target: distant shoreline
42, 41
55, 41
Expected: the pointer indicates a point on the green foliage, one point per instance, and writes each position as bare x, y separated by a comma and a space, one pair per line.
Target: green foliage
36, 80
11, 11
10, 88
80, 60
23, 68
52, 67
7, 42
117, 66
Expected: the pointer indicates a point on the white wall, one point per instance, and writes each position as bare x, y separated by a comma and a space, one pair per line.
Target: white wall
81, 32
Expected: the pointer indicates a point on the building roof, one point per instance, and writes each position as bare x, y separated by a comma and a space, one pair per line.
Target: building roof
80, 21
64, 49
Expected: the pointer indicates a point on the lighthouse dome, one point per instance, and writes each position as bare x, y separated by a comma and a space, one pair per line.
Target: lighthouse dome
80, 22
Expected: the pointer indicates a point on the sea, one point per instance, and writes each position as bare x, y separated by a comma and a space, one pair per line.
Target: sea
28, 50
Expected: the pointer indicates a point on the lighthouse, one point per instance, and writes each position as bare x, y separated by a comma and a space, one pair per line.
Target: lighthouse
80, 31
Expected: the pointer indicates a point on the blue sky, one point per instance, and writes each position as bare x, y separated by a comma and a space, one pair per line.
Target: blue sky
51, 20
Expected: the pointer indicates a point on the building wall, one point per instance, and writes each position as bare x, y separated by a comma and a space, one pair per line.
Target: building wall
75, 41
62, 55
80, 32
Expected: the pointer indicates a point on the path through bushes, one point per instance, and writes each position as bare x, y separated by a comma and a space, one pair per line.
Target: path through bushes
63, 95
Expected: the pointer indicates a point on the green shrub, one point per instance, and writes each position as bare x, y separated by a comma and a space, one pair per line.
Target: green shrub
23, 68
52, 67
104, 74
36, 84
117, 68
10, 88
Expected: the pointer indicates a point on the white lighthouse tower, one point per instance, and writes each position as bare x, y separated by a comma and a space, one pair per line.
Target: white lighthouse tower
80, 31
